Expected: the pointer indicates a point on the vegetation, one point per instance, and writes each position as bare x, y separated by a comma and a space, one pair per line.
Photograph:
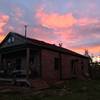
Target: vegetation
69, 90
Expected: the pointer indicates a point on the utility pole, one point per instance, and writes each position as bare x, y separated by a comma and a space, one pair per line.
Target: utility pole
25, 30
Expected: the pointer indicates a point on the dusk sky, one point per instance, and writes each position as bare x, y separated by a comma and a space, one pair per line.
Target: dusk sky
75, 23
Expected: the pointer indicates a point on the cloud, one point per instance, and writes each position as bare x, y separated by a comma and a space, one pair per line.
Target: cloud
60, 24
75, 33
17, 12
3, 21
55, 20
95, 49
86, 21
42, 33
17, 15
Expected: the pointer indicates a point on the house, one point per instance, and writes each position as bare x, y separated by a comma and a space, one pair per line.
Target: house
23, 58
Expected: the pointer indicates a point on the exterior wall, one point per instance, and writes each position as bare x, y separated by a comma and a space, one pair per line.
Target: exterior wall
66, 66
81, 66
48, 70
80, 70
34, 65
86, 67
49, 73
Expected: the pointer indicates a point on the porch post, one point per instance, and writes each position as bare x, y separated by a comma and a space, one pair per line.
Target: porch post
0, 59
27, 62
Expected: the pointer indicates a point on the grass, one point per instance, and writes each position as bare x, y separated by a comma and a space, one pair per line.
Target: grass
69, 90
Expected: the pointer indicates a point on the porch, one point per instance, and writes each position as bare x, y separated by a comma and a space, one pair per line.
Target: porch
20, 64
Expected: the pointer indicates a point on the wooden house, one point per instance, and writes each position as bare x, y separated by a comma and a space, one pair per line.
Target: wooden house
23, 58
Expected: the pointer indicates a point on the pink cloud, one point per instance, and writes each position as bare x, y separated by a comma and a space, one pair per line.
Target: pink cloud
3, 21
55, 20
68, 38
87, 21
92, 49
40, 34
63, 28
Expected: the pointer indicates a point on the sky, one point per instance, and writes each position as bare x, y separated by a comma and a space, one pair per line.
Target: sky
75, 23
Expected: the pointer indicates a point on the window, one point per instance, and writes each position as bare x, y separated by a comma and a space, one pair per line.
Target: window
56, 63
10, 40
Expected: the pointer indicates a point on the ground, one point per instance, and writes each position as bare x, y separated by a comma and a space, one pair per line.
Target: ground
69, 90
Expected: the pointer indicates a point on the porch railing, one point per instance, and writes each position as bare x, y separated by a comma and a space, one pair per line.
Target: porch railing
12, 74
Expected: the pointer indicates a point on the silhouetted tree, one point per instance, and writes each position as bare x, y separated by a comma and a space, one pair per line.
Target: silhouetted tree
60, 44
